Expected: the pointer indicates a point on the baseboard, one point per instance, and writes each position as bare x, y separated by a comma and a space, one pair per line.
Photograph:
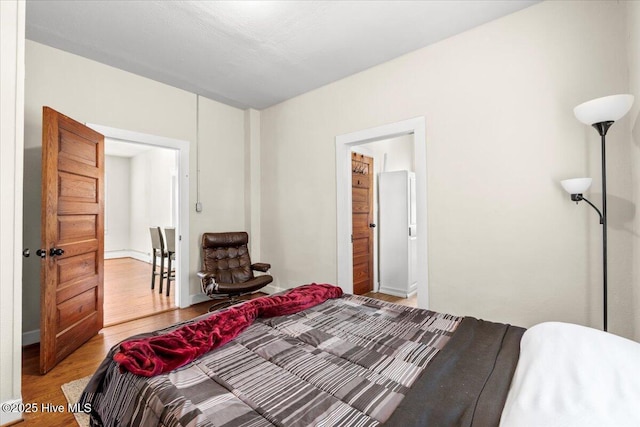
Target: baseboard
140, 256
397, 292
271, 289
198, 298
30, 337
8, 418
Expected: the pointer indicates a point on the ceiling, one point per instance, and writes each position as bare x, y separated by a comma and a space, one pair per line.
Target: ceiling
252, 54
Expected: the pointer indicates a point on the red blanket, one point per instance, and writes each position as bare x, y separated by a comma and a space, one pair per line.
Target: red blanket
163, 353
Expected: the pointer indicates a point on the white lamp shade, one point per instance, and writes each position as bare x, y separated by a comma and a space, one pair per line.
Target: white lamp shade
576, 185
608, 108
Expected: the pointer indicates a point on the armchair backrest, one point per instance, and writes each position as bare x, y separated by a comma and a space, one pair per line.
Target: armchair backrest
226, 256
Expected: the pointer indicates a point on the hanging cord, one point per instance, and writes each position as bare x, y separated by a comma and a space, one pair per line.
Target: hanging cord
198, 204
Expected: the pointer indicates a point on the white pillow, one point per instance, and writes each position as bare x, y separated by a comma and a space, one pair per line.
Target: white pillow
570, 375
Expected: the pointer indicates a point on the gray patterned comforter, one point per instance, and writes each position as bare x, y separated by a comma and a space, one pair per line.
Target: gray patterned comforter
347, 362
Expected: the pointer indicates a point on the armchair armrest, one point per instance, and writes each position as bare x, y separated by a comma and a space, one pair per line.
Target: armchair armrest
205, 275
261, 266
208, 282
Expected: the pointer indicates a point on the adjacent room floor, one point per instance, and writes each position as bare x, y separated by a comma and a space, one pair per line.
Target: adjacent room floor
412, 301
128, 294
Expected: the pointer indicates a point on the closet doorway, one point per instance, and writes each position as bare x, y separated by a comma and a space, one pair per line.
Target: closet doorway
393, 259
347, 143
146, 184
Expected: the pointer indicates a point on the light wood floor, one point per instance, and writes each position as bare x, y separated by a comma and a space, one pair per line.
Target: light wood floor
45, 389
412, 301
128, 294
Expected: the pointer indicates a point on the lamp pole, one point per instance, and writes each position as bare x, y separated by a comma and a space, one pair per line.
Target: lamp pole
602, 129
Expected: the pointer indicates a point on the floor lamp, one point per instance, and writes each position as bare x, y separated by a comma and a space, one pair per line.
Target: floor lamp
599, 113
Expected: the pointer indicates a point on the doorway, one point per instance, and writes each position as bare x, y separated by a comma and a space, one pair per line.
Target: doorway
179, 210
344, 145
140, 192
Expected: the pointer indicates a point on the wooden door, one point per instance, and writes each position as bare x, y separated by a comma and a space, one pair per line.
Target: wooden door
72, 269
362, 220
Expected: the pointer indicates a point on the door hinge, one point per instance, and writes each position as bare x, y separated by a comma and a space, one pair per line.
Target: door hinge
352, 238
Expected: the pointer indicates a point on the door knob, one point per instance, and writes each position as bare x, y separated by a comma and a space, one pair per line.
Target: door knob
41, 253
26, 253
372, 225
56, 251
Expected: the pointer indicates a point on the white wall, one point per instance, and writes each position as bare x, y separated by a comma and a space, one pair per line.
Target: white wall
399, 153
151, 175
117, 203
95, 93
139, 192
12, 21
505, 243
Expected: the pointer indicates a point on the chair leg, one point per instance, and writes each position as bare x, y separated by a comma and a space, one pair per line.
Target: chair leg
153, 271
168, 273
161, 271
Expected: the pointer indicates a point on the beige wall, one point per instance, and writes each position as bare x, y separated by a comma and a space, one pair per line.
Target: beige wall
505, 243
633, 49
94, 93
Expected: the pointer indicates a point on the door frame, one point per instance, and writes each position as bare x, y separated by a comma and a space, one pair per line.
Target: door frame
344, 143
182, 221
12, 52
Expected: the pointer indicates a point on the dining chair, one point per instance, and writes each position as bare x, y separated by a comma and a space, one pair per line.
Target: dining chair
170, 235
157, 251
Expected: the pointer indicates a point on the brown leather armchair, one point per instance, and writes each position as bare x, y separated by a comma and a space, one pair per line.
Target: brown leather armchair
227, 271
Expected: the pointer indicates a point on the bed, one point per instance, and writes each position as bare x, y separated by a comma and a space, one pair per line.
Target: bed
315, 356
